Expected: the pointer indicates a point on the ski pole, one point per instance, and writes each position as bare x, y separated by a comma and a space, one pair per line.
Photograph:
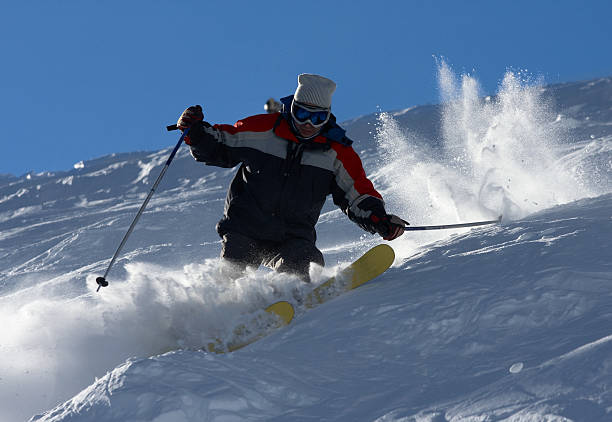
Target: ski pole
102, 280
452, 226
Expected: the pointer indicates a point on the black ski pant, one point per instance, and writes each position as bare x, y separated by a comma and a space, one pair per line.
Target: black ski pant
290, 256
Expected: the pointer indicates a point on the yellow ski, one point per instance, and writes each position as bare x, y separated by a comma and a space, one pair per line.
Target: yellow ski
243, 335
369, 266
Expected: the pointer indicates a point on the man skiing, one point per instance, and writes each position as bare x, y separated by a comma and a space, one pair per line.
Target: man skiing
290, 161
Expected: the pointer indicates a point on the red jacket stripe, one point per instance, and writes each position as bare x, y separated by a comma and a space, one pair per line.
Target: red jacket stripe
352, 164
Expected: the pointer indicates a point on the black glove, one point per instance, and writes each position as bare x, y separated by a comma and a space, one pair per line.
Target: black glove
389, 226
372, 217
190, 116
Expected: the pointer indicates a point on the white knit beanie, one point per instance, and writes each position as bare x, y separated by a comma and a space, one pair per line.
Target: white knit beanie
314, 90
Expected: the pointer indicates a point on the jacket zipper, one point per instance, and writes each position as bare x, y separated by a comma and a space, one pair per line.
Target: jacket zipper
294, 153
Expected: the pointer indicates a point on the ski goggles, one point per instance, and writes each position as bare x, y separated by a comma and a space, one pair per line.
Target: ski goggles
303, 114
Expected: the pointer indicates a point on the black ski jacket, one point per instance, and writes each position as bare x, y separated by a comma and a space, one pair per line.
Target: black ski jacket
282, 183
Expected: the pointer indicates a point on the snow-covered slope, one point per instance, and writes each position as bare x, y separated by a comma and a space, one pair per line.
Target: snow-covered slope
500, 322
513, 320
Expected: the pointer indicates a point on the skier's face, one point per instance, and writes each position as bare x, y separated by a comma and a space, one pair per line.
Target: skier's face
308, 119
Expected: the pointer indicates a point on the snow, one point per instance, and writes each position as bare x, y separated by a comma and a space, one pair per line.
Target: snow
508, 322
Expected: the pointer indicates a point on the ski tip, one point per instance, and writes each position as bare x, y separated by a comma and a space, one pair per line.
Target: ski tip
284, 310
385, 250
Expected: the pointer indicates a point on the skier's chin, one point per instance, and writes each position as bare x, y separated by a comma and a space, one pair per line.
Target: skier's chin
307, 131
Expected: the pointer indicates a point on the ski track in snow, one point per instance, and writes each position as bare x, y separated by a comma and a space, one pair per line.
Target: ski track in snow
499, 323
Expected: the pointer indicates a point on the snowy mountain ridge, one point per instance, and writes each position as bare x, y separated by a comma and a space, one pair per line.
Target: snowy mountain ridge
509, 322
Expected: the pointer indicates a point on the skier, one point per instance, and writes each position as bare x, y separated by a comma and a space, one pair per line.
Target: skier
289, 162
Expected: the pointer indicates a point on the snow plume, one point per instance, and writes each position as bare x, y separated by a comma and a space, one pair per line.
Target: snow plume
52, 346
497, 155
414, 184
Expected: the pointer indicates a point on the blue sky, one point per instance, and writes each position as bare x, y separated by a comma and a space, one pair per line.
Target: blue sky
82, 79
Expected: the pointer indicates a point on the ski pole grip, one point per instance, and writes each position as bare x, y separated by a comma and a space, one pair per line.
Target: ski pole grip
171, 128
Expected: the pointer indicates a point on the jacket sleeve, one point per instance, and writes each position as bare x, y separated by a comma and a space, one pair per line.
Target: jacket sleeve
208, 145
352, 191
